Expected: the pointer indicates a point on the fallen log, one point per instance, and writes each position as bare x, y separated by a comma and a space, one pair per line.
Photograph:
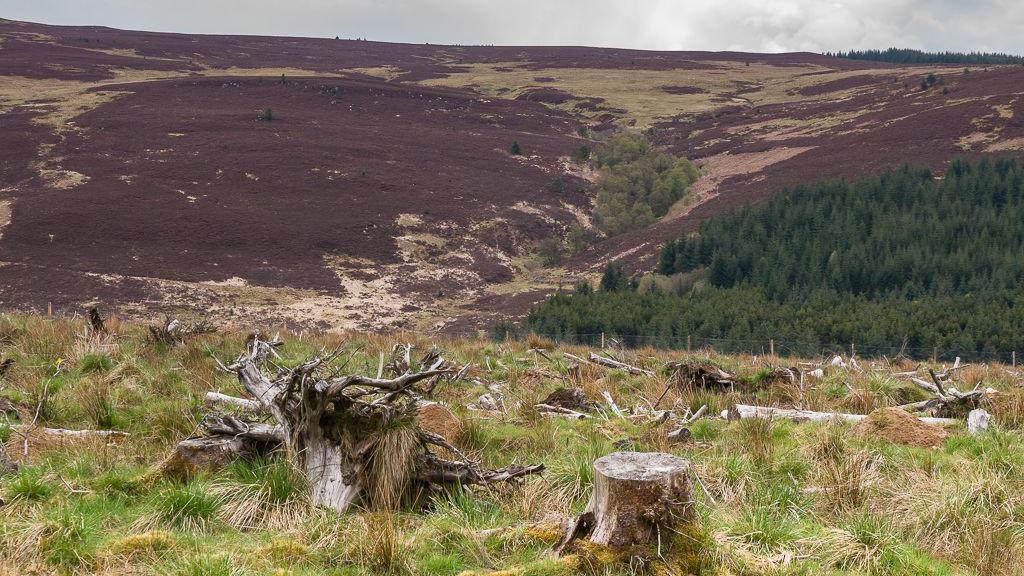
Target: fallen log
73, 434
216, 399
765, 412
207, 454
682, 433
236, 427
604, 362
946, 401
612, 363
224, 440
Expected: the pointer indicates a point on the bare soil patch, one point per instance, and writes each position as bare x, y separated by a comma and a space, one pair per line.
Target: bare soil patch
899, 427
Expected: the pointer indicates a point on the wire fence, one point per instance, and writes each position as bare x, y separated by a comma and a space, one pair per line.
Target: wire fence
775, 347
771, 346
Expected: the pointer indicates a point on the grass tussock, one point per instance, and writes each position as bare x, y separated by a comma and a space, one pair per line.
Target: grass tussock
771, 496
261, 495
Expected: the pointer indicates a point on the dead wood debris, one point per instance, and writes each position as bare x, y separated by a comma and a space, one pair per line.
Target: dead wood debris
742, 411
701, 375
174, 331
570, 398
947, 401
355, 437
609, 363
96, 321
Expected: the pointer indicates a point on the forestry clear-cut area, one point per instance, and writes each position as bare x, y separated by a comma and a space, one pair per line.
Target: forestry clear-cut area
227, 452
332, 307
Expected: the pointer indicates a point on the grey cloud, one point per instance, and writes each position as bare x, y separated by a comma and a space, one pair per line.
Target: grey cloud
749, 25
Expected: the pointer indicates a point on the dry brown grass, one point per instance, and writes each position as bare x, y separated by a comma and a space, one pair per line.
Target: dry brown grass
764, 489
640, 92
845, 482
756, 436
539, 342
384, 72
392, 465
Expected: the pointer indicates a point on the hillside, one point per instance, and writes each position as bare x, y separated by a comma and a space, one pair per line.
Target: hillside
906, 261
770, 496
383, 193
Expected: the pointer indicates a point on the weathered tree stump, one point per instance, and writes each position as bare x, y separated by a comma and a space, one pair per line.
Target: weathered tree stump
193, 455
355, 436
638, 496
227, 439
978, 421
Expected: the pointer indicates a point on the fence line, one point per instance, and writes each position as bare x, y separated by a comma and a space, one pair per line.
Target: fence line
771, 346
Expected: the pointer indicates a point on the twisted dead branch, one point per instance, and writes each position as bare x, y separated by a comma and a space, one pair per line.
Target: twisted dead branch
354, 436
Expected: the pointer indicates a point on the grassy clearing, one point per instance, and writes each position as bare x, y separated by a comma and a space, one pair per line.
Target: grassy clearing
642, 95
772, 497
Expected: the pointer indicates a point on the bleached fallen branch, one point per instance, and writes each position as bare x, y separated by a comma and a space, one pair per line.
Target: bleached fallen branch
696, 415
765, 412
64, 433
682, 433
214, 399
549, 410
609, 363
612, 405
612, 363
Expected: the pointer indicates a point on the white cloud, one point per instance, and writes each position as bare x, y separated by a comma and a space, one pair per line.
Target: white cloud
749, 25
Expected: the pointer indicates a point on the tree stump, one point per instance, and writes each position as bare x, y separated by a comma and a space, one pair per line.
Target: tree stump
209, 454
355, 436
978, 421
638, 496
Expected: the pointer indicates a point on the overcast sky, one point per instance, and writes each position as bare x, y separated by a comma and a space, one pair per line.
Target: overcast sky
748, 25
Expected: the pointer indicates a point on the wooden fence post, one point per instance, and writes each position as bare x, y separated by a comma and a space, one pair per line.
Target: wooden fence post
602, 340
688, 343
771, 346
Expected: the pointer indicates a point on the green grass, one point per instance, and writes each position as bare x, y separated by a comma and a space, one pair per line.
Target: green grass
96, 362
812, 493
190, 507
29, 485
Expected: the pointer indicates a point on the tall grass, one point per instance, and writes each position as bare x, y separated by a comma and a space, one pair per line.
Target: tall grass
772, 497
191, 507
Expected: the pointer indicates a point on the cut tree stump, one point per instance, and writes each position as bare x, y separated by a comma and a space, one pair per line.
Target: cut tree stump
638, 498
